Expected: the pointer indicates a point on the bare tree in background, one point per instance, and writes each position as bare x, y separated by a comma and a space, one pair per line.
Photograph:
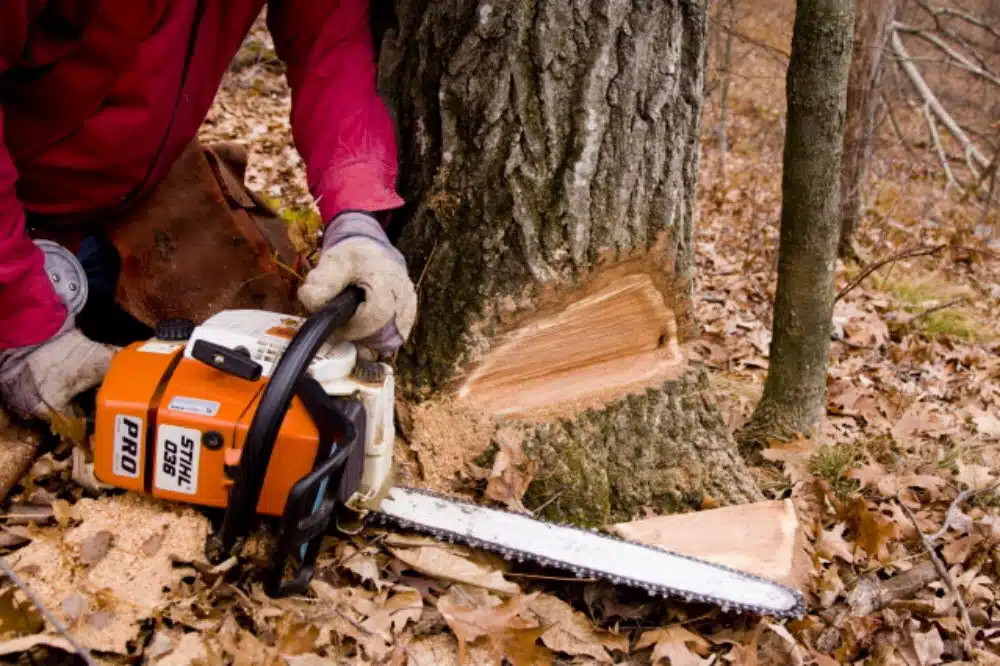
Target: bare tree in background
871, 35
795, 390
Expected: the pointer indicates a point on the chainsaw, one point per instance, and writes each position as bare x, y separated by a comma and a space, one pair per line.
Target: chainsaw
262, 414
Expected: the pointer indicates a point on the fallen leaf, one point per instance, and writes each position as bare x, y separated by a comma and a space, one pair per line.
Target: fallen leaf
927, 647
472, 615
987, 424
868, 475
406, 605
675, 644
512, 470
361, 562
794, 455
95, 547
571, 632
831, 544
449, 562
976, 477
874, 530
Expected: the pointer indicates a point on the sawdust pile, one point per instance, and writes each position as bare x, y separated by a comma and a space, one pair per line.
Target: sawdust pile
446, 438
114, 567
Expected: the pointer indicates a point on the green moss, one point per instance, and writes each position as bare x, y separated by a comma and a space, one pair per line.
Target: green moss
953, 323
574, 488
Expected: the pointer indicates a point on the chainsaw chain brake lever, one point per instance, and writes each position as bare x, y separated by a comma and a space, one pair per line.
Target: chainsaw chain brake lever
236, 362
339, 458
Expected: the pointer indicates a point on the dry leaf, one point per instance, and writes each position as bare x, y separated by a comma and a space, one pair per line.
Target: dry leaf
831, 544
987, 424
675, 644
925, 649
868, 475
95, 547
512, 470
794, 455
405, 605
473, 614
450, 563
976, 477
571, 632
874, 530
361, 562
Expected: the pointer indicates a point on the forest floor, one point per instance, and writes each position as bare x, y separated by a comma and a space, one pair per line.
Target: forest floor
912, 443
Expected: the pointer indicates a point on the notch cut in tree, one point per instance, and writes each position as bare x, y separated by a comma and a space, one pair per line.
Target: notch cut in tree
794, 398
550, 150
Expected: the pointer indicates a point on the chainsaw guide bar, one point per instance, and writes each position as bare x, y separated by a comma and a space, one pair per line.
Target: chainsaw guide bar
586, 553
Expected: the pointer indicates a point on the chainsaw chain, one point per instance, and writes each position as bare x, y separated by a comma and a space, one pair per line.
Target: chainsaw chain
583, 572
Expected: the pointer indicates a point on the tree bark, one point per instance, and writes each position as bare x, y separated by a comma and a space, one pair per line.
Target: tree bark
550, 154
871, 36
795, 390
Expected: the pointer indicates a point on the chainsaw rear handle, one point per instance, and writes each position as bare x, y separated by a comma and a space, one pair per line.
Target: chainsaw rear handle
282, 386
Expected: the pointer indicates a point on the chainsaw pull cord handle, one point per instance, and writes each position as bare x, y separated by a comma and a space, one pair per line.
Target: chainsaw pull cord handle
274, 403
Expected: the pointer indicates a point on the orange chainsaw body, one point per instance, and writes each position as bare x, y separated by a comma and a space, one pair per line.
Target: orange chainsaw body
173, 427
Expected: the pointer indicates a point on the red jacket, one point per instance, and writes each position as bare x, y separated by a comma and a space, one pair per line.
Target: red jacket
99, 97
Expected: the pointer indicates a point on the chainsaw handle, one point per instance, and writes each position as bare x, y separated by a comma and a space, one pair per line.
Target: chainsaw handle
274, 403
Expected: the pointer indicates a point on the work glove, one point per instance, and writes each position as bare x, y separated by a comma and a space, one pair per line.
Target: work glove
37, 380
357, 251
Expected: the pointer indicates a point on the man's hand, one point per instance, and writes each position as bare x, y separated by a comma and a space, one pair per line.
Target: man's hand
38, 380
357, 251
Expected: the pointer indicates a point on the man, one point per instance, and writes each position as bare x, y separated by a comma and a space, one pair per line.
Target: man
99, 98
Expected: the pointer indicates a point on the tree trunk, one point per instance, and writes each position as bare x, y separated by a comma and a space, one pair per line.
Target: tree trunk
795, 390
871, 35
550, 152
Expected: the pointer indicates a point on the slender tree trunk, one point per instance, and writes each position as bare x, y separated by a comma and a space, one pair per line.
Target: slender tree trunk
550, 150
871, 36
795, 390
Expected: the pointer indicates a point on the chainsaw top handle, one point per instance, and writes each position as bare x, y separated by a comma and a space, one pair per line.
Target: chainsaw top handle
285, 382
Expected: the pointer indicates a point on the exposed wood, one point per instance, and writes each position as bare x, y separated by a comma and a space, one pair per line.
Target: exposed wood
872, 593
762, 538
577, 357
551, 152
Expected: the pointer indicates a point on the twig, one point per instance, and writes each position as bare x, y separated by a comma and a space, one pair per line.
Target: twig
871, 268
955, 505
942, 46
939, 147
942, 571
936, 308
931, 100
80, 650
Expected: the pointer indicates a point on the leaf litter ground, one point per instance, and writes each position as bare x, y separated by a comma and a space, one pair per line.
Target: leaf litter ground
899, 500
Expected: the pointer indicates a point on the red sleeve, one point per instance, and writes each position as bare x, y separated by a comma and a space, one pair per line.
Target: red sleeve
30, 309
341, 126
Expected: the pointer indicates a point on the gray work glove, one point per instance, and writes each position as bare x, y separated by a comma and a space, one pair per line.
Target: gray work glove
39, 379
357, 251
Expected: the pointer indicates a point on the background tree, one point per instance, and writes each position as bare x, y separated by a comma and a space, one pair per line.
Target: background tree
550, 150
871, 37
795, 390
